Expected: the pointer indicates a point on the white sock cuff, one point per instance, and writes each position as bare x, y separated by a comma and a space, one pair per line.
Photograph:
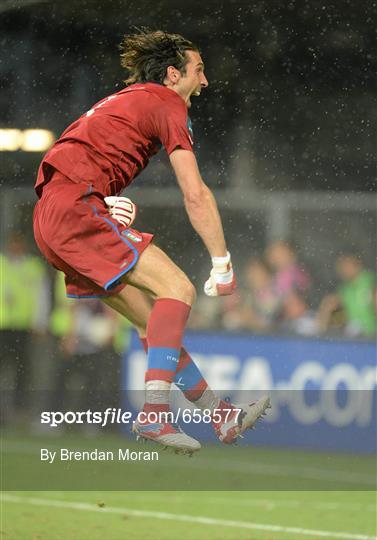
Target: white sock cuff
157, 392
157, 385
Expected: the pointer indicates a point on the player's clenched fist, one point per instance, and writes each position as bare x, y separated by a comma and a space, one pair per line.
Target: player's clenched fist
122, 209
221, 280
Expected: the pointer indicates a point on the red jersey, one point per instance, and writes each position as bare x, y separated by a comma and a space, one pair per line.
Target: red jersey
112, 143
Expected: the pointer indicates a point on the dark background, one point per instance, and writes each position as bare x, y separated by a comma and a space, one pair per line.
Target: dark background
291, 98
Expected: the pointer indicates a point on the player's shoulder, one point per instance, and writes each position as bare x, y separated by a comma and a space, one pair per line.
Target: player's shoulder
154, 92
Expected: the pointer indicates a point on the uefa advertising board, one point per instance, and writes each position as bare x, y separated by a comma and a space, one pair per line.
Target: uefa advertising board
323, 392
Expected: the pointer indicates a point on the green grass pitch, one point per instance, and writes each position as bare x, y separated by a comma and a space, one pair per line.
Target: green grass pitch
177, 515
339, 504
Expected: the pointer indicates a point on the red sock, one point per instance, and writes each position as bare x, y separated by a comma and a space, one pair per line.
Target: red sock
164, 336
191, 391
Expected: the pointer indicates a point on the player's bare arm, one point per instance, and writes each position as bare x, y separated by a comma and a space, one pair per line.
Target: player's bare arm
202, 210
199, 202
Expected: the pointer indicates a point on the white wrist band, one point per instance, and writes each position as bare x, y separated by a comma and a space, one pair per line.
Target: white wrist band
221, 260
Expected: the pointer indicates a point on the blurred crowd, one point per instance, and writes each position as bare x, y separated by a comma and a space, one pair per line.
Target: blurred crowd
72, 348
276, 294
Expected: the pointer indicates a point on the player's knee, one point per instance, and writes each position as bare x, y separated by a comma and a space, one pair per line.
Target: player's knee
189, 292
183, 290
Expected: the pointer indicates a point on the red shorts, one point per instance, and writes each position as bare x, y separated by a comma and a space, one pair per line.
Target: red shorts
77, 235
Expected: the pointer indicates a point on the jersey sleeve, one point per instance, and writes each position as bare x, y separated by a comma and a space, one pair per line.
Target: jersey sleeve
169, 123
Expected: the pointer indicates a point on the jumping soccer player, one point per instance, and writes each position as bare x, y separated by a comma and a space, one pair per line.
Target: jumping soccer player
82, 225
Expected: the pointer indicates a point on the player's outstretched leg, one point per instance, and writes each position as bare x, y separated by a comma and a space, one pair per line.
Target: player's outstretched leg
163, 324
137, 307
229, 421
164, 335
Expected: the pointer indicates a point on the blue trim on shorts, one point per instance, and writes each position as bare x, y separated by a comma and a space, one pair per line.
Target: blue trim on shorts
87, 296
113, 281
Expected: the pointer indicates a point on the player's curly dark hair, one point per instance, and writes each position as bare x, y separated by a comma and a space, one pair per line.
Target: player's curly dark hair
147, 54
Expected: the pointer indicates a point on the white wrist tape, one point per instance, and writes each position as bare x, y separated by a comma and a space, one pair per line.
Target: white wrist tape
221, 265
219, 261
222, 278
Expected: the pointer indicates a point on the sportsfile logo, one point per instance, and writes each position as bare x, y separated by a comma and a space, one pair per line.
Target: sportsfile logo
119, 416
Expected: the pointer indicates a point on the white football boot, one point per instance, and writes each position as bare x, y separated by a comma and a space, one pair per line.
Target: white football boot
169, 435
234, 424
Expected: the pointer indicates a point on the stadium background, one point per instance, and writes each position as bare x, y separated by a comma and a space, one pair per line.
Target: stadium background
284, 136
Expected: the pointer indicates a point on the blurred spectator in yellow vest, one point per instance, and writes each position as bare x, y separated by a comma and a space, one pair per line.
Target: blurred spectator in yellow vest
24, 305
